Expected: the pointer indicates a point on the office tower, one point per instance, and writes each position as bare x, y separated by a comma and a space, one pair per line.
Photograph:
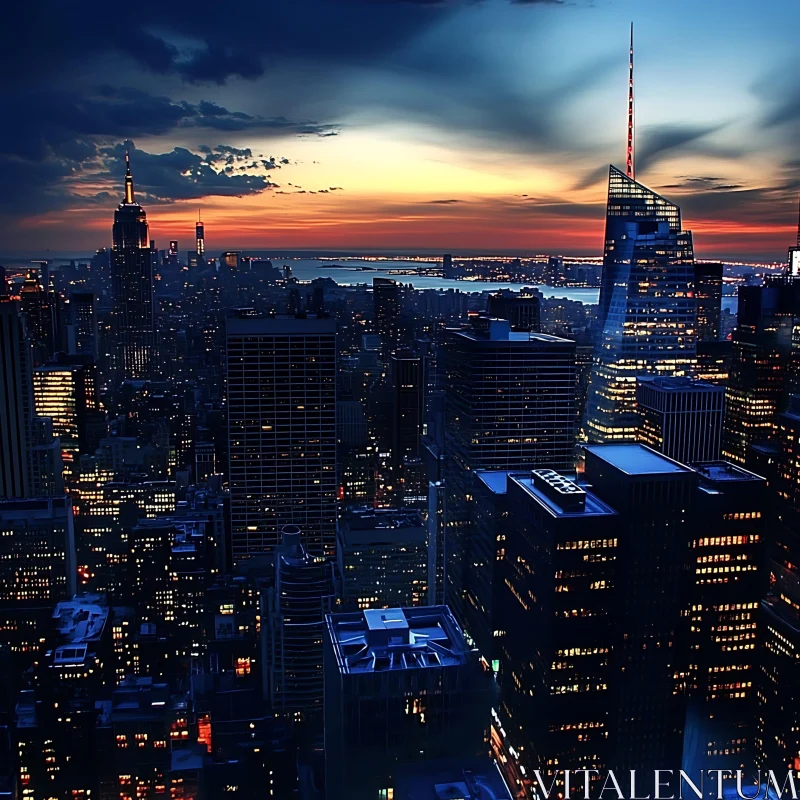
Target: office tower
382, 556
562, 553
408, 377
708, 295
16, 403
67, 394
46, 460
82, 334
509, 405
522, 311
762, 346
778, 680
787, 484
172, 253
654, 497
680, 418
714, 362
402, 686
281, 384
554, 272
37, 558
794, 252
200, 240
132, 282
726, 555
35, 306
302, 595
647, 313
231, 259
447, 266
386, 296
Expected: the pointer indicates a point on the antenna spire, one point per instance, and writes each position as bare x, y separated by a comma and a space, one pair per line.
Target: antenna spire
128, 178
798, 221
629, 163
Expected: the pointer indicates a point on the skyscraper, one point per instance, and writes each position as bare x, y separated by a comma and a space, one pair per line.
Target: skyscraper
522, 311
647, 313
510, 405
386, 296
759, 376
82, 336
408, 403
132, 281
401, 686
726, 556
562, 557
680, 418
200, 240
708, 295
281, 382
654, 498
16, 403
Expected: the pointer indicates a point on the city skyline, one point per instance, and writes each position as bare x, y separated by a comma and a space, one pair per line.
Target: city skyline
409, 126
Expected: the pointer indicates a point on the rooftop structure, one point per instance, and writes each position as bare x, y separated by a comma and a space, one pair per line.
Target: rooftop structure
379, 640
636, 459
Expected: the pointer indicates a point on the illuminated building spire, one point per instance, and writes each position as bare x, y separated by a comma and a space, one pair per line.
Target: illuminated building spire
629, 155
798, 221
128, 179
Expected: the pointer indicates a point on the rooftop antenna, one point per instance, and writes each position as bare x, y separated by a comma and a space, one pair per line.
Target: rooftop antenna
798, 221
128, 178
629, 156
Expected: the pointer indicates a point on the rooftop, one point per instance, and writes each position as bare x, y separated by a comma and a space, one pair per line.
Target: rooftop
679, 384
396, 639
495, 480
636, 459
81, 619
723, 471
564, 505
361, 526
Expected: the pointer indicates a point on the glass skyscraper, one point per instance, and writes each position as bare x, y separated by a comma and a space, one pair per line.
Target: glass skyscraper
647, 314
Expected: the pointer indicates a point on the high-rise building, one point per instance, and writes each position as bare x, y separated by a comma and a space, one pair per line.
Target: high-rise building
788, 464
281, 384
386, 296
132, 281
778, 715
562, 555
510, 405
382, 555
82, 334
647, 313
401, 686
708, 295
37, 306
172, 253
714, 361
759, 376
67, 394
654, 497
200, 240
303, 593
408, 375
726, 556
522, 311
16, 403
37, 568
680, 418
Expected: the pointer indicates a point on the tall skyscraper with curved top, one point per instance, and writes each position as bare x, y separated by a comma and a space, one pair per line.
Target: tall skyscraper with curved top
132, 281
647, 314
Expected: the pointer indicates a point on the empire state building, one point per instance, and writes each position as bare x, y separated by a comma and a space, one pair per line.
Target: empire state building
132, 280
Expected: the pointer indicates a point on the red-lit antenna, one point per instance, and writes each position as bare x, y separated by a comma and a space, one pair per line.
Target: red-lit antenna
629, 159
798, 222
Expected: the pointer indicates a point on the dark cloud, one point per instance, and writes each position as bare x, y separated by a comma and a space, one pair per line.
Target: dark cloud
444, 202
178, 175
703, 182
656, 143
